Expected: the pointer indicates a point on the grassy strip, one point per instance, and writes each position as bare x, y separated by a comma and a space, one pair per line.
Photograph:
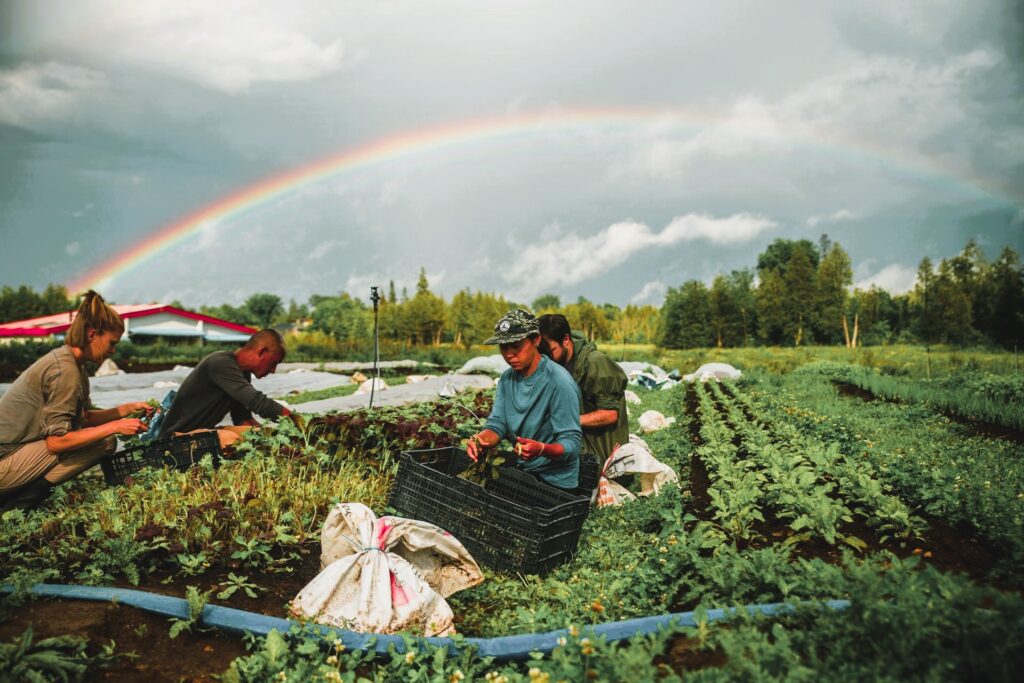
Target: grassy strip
319, 394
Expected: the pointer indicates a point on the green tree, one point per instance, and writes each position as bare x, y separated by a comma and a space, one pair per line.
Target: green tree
877, 316
54, 299
546, 303
461, 316
772, 308
264, 308
426, 313
727, 323
296, 311
686, 317
587, 319
1006, 282
344, 318
834, 277
778, 255
967, 270
18, 304
801, 286
954, 305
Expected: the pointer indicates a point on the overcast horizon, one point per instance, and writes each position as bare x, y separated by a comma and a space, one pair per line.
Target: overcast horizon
895, 128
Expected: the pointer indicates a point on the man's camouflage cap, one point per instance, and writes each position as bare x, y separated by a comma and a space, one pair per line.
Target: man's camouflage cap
515, 325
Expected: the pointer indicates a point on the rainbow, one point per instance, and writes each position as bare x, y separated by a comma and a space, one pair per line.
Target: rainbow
468, 132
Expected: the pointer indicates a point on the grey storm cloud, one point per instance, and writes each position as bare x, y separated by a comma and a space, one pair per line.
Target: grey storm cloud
897, 128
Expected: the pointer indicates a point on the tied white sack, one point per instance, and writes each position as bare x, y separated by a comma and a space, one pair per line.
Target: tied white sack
631, 397
385, 575
448, 390
652, 421
636, 458
108, 368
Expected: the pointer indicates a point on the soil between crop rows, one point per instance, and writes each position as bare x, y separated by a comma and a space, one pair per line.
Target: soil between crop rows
971, 426
944, 547
191, 657
202, 656
197, 657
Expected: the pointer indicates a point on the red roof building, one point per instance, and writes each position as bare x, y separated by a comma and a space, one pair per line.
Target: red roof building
140, 320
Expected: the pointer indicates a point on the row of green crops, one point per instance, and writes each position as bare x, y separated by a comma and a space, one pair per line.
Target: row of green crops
902, 625
803, 471
928, 460
646, 557
990, 398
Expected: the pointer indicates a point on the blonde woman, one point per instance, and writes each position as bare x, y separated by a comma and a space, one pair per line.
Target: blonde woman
48, 433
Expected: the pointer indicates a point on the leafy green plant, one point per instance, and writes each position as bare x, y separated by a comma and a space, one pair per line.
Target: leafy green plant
196, 604
63, 658
487, 468
233, 584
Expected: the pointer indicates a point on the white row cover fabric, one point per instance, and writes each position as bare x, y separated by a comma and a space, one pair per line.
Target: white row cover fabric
634, 457
350, 367
491, 364
399, 394
385, 575
652, 421
113, 390
633, 368
715, 371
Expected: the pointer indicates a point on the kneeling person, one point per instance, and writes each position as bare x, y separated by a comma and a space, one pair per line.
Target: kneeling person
536, 406
221, 383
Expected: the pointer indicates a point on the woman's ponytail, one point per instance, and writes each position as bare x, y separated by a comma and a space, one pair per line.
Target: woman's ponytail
93, 314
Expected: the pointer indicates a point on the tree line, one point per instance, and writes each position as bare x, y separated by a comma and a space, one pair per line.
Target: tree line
425, 318
800, 292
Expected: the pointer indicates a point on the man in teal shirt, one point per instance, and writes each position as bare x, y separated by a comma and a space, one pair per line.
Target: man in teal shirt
536, 406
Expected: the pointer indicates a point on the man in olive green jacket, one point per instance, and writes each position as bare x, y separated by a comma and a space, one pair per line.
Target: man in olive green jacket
601, 381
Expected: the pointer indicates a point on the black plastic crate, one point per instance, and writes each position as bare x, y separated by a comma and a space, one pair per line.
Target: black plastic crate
514, 522
179, 452
589, 472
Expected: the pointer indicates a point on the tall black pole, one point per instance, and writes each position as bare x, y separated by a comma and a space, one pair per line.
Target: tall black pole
375, 298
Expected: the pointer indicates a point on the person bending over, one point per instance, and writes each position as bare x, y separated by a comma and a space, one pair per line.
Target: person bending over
602, 383
48, 432
536, 406
221, 384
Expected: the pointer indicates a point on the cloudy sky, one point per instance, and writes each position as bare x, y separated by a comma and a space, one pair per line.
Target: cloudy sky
626, 147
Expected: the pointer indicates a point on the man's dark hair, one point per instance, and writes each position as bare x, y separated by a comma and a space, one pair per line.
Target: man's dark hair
267, 338
554, 326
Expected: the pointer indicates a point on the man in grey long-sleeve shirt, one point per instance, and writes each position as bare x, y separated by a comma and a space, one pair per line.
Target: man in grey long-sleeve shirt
221, 384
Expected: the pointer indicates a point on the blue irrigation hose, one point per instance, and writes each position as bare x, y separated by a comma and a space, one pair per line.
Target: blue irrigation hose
238, 622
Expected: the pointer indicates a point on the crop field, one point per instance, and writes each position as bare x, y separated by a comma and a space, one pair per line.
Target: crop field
810, 480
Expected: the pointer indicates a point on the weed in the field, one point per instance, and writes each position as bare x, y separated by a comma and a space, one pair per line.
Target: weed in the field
196, 604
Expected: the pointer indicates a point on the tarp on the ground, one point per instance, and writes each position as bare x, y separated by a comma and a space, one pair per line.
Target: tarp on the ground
113, 390
351, 366
633, 368
398, 394
494, 365
715, 371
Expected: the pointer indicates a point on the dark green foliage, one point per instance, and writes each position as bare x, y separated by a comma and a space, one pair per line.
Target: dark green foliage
23, 303
686, 317
63, 658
